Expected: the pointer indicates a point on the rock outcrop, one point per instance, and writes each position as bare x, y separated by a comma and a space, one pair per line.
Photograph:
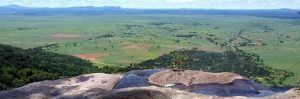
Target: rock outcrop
151, 84
220, 84
190, 77
83, 86
136, 78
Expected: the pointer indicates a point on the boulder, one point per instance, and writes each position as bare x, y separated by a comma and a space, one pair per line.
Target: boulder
190, 77
216, 84
82, 86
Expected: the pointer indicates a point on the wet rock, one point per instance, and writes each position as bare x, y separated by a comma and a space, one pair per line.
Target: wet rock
136, 78
152, 92
143, 73
236, 88
289, 94
136, 94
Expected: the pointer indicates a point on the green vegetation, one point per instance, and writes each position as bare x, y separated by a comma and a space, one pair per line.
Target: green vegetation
19, 66
240, 62
114, 41
23, 66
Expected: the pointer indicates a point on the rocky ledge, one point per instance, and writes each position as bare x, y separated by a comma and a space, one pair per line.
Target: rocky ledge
151, 84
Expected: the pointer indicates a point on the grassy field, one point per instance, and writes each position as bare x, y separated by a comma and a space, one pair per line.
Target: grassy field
123, 39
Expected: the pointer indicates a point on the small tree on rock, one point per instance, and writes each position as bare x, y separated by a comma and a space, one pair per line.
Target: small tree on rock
177, 61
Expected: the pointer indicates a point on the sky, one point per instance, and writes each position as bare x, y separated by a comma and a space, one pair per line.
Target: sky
167, 4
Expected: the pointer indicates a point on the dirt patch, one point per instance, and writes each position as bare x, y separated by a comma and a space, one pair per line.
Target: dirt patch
61, 36
135, 46
90, 56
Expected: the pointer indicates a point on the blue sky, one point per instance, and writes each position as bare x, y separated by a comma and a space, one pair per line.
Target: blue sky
217, 4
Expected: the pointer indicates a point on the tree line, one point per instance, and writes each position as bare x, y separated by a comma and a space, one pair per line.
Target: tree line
22, 66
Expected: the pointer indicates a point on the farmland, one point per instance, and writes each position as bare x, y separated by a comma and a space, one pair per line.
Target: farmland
122, 39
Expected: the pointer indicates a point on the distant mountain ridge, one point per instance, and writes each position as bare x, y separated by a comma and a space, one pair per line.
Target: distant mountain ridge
118, 7
15, 9
91, 10
81, 7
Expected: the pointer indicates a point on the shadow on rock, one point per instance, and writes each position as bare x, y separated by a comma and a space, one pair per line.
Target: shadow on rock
239, 87
136, 78
136, 94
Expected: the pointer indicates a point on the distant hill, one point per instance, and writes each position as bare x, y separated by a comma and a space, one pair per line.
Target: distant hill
21, 66
91, 10
15, 9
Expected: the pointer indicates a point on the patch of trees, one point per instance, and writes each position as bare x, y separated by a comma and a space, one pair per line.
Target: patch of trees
295, 22
241, 41
196, 24
106, 35
128, 33
210, 39
217, 27
76, 44
26, 28
231, 40
280, 41
297, 38
262, 26
211, 35
193, 32
22, 66
158, 23
217, 41
133, 26
240, 62
49, 46
172, 29
186, 35
152, 35
177, 41
71, 44
213, 39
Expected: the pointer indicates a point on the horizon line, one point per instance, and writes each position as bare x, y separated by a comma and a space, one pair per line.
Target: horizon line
156, 8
